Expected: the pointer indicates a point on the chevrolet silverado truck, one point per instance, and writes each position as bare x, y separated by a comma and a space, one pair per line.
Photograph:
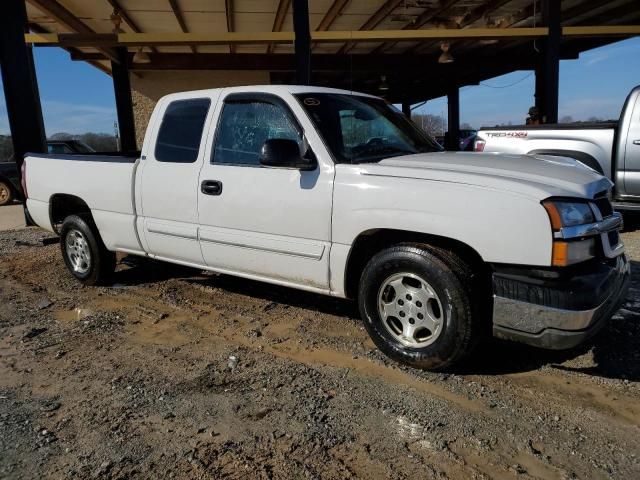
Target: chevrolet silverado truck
336, 193
610, 148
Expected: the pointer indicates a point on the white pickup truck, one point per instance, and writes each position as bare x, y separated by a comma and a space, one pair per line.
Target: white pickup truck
337, 193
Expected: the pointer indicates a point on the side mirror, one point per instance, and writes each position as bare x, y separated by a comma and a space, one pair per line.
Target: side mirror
285, 153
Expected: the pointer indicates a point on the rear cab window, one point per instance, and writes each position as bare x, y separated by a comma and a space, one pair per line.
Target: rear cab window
181, 130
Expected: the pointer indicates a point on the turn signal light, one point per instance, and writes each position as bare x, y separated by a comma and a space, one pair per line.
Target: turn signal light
478, 146
568, 253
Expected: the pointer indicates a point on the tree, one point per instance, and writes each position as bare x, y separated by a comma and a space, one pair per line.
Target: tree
6, 148
433, 125
567, 119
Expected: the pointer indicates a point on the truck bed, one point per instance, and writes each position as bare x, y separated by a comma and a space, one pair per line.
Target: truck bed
103, 182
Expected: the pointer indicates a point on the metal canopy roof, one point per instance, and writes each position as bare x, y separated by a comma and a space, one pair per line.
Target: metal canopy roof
355, 42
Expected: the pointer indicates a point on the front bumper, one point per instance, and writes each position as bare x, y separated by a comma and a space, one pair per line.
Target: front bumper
558, 309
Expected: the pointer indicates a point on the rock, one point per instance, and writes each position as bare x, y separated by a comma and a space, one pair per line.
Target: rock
50, 407
103, 469
34, 332
60, 354
233, 362
269, 306
44, 303
254, 333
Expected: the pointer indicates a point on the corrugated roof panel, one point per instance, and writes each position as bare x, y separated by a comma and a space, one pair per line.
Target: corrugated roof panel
206, 22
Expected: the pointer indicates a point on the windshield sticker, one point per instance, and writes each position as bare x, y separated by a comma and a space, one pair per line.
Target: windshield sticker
311, 102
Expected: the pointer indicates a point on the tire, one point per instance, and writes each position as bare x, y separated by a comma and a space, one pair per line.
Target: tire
6, 193
429, 286
84, 253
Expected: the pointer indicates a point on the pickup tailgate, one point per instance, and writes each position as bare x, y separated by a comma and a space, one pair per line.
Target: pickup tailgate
103, 182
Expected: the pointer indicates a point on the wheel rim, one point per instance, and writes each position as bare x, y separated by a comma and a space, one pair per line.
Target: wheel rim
78, 252
410, 310
4, 193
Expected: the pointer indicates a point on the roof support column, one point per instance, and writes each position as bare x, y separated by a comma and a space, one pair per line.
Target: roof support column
406, 109
20, 83
302, 42
548, 66
452, 141
124, 104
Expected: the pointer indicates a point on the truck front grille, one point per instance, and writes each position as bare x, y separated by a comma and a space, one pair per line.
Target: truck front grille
604, 205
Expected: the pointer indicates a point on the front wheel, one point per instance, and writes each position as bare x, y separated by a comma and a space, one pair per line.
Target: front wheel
83, 252
416, 306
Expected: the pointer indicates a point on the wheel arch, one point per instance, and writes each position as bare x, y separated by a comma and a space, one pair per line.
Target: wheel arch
61, 205
372, 241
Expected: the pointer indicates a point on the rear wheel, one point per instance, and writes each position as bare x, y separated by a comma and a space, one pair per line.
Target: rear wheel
83, 252
6, 193
416, 306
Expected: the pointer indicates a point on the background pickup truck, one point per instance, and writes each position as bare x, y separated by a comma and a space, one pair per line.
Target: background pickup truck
611, 149
10, 189
339, 194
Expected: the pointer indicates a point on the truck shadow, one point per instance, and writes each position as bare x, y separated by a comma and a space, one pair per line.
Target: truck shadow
613, 353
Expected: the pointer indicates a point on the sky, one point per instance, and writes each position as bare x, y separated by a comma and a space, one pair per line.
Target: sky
77, 98
595, 85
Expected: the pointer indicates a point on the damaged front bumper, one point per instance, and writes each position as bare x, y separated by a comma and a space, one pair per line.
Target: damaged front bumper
558, 309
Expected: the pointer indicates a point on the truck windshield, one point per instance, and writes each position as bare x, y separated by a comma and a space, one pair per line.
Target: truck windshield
361, 129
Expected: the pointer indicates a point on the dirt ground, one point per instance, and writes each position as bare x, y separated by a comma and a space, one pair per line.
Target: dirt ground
172, 373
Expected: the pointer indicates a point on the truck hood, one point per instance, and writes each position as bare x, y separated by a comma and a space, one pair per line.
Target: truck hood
538, 176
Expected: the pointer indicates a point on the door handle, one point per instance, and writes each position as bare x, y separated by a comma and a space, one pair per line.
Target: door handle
636, 142
211, 187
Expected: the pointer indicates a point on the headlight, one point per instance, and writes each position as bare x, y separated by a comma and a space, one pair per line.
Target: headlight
568, 214
565, 213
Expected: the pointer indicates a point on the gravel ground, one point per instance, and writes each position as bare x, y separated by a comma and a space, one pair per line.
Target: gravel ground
172, 373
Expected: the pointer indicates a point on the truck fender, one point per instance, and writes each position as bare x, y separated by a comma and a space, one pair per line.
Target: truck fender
582, 157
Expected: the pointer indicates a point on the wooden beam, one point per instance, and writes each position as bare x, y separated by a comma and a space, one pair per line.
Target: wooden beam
471, 17
126, 18
368, 65
601, 31
35, 28
483, 10
278, 21
228, 6
374, 20
180, 18
332, 14
424, 18
150, 39
67, 19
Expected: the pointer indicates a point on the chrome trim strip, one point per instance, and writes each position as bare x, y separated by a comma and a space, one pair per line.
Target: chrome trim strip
171, 234
313, 256
612, 222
